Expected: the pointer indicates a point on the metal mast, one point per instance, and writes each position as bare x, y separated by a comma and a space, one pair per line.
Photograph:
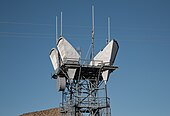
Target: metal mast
92, 55
56, 30
61, 33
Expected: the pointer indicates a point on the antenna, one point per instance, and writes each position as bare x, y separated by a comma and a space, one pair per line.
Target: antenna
108, 36
61, 33
92, 32
56, 30
84, 85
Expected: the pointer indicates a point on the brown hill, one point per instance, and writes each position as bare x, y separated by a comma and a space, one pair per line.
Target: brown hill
48, 112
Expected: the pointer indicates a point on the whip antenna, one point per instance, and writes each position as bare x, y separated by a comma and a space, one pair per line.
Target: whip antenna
56, 30
92, 32
108, 31
61, 33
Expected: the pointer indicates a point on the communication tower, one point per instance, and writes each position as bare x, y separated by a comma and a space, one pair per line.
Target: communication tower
83, 83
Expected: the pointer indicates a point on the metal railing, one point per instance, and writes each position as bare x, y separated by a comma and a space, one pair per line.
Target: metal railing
84, 62
90, 102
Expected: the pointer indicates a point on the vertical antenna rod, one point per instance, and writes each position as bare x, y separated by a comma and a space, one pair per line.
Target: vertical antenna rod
108, 38
56, 30
61, 33
92, 32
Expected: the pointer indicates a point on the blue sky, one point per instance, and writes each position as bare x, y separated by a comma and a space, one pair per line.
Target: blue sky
141, 85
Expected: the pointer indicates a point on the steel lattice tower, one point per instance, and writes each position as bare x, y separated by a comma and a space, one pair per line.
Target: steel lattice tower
83, 83
86, 94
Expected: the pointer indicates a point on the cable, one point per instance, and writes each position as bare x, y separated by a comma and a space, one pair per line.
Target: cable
14, 33
25, 23
87, 54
